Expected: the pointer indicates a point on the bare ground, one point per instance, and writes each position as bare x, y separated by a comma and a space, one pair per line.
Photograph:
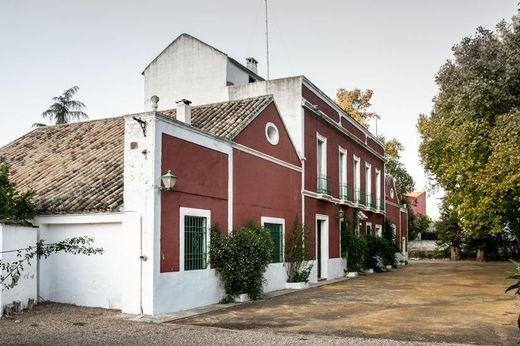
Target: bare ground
427, 301
423, 304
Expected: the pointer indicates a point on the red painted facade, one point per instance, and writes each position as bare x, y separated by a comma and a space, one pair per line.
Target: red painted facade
261, 187
314, 125
202, 183
418, 202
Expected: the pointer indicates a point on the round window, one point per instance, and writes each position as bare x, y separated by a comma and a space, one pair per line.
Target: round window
271, 132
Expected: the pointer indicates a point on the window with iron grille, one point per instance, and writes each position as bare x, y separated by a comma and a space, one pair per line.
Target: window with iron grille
195, 242
275, 229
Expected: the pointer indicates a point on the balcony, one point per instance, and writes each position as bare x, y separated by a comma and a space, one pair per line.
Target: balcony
346, 193
323, 185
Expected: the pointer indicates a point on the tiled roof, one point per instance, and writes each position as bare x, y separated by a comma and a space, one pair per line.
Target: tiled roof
78, 167
225, 119
75, 167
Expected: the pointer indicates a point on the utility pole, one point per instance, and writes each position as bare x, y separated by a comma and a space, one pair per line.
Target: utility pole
267, 38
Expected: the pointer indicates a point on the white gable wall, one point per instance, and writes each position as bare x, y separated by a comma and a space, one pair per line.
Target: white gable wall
186, 69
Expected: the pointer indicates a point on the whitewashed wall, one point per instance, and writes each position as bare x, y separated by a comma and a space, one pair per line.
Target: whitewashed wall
14, 237
80, 279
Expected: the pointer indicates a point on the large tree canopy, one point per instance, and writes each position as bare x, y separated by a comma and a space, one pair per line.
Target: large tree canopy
356, 103
470, 142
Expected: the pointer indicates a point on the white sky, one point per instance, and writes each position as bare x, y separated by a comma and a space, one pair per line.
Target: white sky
393, 47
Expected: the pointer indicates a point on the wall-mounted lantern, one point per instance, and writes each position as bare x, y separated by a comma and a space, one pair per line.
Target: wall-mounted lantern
341, 215
168, 181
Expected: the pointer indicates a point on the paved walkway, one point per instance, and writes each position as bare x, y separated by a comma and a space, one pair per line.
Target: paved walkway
426, 301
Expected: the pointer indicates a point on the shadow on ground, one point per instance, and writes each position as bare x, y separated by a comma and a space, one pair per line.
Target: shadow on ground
426, 301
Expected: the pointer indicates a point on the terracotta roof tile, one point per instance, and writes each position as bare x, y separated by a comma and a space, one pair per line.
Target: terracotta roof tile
225, 119
78, 167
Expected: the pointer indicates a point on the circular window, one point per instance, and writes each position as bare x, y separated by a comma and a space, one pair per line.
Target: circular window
271, 132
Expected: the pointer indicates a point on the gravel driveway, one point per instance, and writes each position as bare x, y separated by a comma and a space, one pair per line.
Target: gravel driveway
422, 304
61, 324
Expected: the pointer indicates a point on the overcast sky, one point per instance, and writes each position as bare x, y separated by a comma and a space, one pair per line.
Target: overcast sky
392, 47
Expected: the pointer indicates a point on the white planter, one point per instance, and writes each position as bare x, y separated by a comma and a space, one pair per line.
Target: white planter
242, 298
296, 285
351, 274
388, 267
369, 271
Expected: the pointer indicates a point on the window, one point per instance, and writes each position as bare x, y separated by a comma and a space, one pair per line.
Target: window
271, 133
275, 227
369, 229
321, 158
357, 178
379, 231
368, 184
379, 204
195, 237
343, 189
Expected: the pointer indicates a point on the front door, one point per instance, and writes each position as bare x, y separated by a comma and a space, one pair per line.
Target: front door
318, 256
322, 246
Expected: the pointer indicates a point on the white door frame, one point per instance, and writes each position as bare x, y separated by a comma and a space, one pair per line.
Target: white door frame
324, 258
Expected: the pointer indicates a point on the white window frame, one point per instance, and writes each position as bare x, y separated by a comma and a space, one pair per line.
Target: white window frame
183, 211
368, 184
378, 189
342, 173
379, 231
357, 179
280, 221
366, 228
320, 138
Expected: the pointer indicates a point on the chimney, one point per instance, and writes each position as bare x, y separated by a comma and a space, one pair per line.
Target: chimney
252, 64
184, 111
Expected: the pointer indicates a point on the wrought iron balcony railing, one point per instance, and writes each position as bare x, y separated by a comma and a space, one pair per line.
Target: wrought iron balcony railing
323, 184
346, 193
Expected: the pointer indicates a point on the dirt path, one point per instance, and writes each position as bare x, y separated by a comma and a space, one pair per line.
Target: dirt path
433, 302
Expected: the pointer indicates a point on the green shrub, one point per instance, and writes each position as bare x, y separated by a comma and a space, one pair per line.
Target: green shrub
297, 253
14, 205
357, 249
241, 259
380, 249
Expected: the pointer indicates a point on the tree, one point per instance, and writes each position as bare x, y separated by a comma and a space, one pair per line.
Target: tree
469, 142
403, 180
356, 103
14, 205
65, 109
449, 231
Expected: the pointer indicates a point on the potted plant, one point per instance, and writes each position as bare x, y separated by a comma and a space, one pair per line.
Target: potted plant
297, 255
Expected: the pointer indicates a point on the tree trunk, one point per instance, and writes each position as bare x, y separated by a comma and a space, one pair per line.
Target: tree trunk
481, 256
455, 252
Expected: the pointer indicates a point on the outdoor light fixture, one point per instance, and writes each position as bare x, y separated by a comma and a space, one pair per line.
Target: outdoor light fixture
341, 214
168, 181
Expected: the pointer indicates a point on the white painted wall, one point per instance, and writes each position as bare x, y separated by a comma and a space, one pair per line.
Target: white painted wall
14, 237
186, 69
80, 279
336, 268
275, 277
287, 93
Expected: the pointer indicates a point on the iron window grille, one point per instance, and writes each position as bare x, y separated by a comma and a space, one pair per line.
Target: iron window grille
195, 243
277, 235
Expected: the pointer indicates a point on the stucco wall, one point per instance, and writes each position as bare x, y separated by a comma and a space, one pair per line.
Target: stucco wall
287, 95
14, 237
79, 279
187, 69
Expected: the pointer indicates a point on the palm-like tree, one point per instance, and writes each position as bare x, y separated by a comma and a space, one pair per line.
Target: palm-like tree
64, 109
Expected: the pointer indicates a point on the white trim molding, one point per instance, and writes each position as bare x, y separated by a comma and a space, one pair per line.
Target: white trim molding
266, 157
192, 212
279, 221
